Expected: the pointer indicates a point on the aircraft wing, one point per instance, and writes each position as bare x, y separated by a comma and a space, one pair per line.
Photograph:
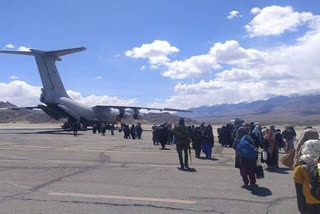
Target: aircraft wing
137, 108
21, 108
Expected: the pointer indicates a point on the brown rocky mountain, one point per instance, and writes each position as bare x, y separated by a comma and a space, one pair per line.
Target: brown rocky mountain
33, 116
294, 109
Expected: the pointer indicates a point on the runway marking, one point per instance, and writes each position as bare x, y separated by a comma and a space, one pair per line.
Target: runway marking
119, 197
14, 184
35, 148
81, 150
17, 157
197, 166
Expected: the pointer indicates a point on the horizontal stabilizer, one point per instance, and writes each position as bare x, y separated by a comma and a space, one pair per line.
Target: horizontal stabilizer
56, 53
18, 52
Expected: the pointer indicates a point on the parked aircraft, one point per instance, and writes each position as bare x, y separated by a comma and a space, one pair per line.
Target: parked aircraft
57, 103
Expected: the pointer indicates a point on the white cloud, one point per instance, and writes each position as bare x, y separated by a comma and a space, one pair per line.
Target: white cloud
255, 10
254, 75
195, 66
233, 14
99, 77
248, 74
13, 77
275, 20
228, 52
21, 93
9, 46
92, 100
157, 52
23, 48
143, 68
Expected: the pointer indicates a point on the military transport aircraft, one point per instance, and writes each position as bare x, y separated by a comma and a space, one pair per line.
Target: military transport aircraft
57, 103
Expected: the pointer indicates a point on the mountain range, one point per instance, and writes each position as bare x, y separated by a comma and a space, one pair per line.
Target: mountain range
295, 108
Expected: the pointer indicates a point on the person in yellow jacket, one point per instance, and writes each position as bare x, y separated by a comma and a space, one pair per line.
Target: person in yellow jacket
307, 203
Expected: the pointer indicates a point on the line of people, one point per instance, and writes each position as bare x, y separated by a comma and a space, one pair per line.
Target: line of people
303, 157
201, 137
133, 132
101, 128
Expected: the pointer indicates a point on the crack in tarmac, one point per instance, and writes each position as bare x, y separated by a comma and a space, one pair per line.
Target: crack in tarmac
120, 205
103, 158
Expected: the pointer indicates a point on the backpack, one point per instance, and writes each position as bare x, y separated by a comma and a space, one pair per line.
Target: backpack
245, 149
314, 179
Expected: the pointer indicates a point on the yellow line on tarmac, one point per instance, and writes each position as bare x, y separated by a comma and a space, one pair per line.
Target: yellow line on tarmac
119, 197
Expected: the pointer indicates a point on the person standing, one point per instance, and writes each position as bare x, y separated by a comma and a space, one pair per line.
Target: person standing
112, 129
163, 135
270, 147
182, 141
306, 178
307, 134
133, 132
207, 141
289, 134
155, 134
139, 130
196, 142
75, 128
246, 156
103, 129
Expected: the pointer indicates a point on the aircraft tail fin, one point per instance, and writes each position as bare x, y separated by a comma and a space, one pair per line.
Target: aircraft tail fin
53, 87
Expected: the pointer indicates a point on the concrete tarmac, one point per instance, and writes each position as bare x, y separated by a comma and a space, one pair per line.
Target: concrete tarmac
45, 170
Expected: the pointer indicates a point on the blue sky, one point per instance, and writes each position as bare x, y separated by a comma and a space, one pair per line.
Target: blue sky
110, 28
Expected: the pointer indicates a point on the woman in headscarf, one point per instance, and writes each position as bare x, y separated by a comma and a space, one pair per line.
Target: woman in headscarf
289, 134
246, 166
257, 135
270, 147
307, 134
310, 152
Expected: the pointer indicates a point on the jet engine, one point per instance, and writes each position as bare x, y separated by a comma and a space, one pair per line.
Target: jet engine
122, 113
137, 115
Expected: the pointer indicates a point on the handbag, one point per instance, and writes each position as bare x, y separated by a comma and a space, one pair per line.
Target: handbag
287, 159
264, 155
259, 170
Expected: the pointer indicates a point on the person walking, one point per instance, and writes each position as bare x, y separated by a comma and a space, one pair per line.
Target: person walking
182, 141
307, 134
246, 156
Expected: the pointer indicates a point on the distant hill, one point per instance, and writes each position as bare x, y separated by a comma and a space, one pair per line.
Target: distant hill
6, 105
280, 109
33, 116
38, 116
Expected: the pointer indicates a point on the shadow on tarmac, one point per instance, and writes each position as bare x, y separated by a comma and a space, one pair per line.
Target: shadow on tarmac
204, 158
188, 170
259, 191
164, 149
279, 170
54, 132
